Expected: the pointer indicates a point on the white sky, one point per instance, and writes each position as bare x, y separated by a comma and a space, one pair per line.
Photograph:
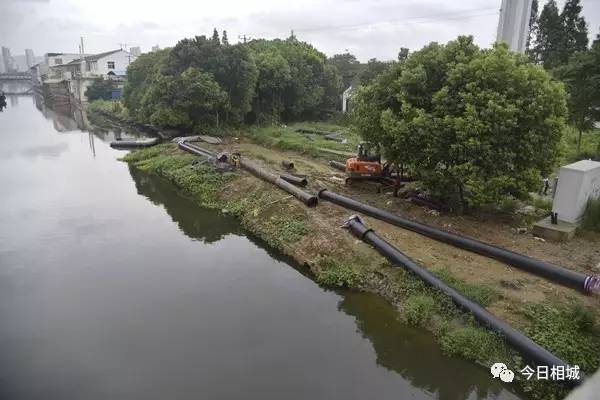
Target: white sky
366, 28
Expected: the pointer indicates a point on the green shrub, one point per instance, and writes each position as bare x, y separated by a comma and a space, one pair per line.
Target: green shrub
473, 343
591, 216
289, 229
418, 310
338, 274
567, 331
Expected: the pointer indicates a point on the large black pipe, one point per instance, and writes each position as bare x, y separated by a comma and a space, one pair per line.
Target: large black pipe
296, 180
586, 284
309, 199
527, 347
337, 165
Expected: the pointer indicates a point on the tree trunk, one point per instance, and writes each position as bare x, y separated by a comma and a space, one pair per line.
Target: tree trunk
579, 143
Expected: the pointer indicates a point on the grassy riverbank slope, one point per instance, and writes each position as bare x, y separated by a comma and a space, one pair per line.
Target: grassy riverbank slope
560, 319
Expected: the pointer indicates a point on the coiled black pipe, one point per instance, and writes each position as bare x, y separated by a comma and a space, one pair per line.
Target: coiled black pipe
576, 280
527, 347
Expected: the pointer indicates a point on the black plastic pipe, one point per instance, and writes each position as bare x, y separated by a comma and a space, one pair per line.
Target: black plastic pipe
527, 347
309, 199
576, 280
296, 180
337, 165
287, 164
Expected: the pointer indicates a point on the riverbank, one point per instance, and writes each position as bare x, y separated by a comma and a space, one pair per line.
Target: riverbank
557, 318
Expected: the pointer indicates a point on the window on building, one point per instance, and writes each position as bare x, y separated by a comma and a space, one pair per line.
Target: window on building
57, 61
111, 64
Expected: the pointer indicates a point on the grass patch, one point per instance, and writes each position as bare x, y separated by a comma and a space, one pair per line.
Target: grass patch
473, 343
334, 273
418, 310
481, 293
591, 216
567, 331
286, 229
203, 183
286, 138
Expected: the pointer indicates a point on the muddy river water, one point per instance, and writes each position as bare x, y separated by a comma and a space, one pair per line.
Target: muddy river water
115, 286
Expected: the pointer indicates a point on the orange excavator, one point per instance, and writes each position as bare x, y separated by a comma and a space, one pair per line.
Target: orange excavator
366, 165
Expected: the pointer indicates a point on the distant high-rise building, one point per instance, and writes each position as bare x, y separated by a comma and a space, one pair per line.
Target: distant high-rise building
30, 58
155, 48
9, 64
513, 26
135, 51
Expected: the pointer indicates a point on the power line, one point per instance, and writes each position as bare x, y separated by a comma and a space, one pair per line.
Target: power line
415, 20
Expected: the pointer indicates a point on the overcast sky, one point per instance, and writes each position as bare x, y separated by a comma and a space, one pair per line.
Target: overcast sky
366, 28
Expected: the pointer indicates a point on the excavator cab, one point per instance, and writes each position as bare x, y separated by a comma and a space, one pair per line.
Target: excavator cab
366, 165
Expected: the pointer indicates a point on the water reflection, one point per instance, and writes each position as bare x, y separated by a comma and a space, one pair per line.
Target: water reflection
198, 223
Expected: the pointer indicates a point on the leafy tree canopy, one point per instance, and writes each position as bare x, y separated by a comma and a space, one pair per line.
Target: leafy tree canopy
476, 126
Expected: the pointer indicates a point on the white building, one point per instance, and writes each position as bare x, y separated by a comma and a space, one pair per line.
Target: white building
513, 26
29, 58
346, 97
111, 63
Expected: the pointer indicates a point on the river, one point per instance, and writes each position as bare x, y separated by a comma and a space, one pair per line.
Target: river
113, 285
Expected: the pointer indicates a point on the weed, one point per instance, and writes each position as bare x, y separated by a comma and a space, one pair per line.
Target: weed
338, 274
288, 229
481, 293
473, 343
591, 216
567, 331
418, 310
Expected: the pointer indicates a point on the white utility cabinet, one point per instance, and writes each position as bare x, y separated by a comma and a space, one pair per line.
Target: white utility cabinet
577, 183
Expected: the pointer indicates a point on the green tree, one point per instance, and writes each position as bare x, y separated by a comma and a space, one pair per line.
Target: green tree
549, 43
191, 100
373, 69
575, 30
533, 28
232, 67
101, 89
140, 75
215, 36
348, 67
582, 78
224, 39
476, 126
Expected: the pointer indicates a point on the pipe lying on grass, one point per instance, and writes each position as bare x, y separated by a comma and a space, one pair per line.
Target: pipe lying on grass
287, 164
337, 165
527, 347
576, 280
296, 180
309, 199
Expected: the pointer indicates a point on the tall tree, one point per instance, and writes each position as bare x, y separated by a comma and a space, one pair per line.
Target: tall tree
582, 78
215, 36
533, 27
575, 30
224, 39
550, 37
348, 67
475, 126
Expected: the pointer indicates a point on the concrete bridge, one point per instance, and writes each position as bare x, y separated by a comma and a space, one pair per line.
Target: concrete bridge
16, 83
15, 76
